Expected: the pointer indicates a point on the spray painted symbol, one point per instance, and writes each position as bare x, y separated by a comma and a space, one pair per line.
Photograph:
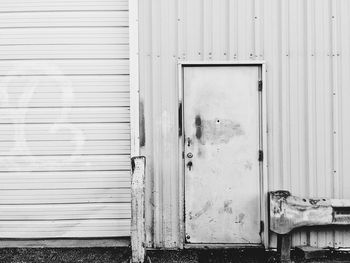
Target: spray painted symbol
18, 93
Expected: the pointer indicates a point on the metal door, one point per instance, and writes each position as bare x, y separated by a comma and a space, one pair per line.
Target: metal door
222, 178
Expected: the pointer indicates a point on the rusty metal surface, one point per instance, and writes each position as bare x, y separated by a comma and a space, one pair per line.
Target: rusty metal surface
288, 212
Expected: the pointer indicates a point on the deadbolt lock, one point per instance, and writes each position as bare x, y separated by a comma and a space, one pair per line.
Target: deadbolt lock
189, 155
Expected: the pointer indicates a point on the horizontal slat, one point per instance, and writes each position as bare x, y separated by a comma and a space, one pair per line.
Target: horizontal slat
62, 132
59, 115
66, 243
64, 67
32, 36
64, 52
64, 163
56, 196
64, 19
64, 147
65, 228
66, 84
65, 211
24, 100
57, 5
64, 180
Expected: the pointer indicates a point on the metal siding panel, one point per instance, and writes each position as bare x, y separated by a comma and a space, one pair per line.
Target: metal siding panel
311, 107
65, 228
65, 148
64, 52
63, 36
75, 115
87, 84
167, 88
68, 196
64, 19
273, 52
233, 32
64, 67
62, 5
220, 30
156, 113
65, 212
191, 38
46, 179
146, 128
304, 65
342, 60
83, 131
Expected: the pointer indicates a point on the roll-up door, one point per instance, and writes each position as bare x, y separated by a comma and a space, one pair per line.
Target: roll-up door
64, 119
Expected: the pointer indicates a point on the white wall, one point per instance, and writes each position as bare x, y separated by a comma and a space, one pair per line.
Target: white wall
306, 45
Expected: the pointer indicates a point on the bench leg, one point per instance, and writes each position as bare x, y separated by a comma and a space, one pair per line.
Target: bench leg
284, 244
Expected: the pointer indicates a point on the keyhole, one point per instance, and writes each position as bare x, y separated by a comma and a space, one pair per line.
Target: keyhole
189, 165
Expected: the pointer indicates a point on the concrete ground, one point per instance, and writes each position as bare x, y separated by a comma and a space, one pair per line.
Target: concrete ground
121, 255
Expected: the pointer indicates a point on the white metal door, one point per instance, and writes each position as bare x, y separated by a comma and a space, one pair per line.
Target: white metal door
222, 178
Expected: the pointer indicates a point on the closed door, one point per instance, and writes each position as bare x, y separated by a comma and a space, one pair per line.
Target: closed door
222, 178
64, 119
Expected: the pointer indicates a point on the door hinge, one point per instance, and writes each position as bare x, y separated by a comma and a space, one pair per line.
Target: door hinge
260, 85
261, 227
261, 156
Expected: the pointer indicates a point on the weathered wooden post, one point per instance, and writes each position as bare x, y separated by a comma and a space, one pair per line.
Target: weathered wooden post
138, 164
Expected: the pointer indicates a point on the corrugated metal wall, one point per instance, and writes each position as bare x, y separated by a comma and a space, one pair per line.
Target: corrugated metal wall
306, 45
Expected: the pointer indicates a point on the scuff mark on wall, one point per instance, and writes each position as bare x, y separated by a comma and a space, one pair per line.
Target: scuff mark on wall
248, 165
227, 207
198, 123
142, 125
204, 209
240, 218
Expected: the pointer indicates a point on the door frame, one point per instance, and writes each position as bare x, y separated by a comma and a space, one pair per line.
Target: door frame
263, 167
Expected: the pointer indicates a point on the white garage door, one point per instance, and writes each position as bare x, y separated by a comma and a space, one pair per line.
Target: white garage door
64, 119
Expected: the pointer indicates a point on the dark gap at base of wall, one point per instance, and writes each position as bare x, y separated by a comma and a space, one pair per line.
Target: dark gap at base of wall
123, 255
